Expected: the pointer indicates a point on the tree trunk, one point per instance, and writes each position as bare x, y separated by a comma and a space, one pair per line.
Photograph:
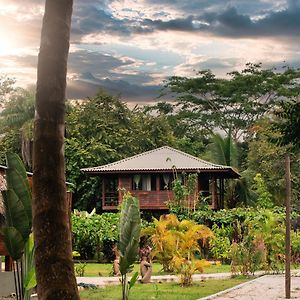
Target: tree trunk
53, 249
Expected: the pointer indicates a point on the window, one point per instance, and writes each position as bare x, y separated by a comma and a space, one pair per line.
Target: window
165, 181
144, 182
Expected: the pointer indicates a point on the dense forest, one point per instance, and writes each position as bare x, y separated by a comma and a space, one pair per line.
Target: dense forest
248, 120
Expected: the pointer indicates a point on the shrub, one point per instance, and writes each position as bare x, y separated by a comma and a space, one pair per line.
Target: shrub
220, 243
295, 245
91, 232
176, 244
260, 245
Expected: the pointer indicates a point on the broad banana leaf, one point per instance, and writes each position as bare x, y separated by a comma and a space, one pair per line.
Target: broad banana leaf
16, 178
15, 214
14, 242
130, 229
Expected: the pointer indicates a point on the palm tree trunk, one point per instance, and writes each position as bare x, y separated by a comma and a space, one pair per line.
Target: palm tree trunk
53, 249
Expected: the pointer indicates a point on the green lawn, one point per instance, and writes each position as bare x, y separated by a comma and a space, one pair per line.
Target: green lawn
163, 291
94, 269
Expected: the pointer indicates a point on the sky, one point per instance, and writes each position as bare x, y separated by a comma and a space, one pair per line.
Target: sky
130, 47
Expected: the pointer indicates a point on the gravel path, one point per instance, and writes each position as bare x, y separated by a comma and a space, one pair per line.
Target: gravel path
268, 287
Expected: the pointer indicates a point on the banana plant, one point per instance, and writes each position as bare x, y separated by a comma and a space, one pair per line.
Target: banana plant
129, 238
18, 223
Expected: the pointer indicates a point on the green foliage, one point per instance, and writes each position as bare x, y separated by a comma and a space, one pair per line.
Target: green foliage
176, 245
264, 199
101, 130
224, 151
234, 103
79, 269
165, 291
92, 232
260, 244
18, 221
288, 122
17, 119
6, 87
220, 243
14, 242
295, 246
17, 202
17, 182
185, 194
267, 158
29, 269
129, 238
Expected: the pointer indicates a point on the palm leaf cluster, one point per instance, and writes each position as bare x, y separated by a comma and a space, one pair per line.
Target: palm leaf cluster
176, 244
130, 229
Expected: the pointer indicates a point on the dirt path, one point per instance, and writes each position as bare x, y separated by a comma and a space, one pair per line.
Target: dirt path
268, 287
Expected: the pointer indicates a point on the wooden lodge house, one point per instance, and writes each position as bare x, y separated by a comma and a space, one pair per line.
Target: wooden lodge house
149, 175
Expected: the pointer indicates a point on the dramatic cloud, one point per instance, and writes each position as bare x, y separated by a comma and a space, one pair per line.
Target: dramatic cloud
129, 47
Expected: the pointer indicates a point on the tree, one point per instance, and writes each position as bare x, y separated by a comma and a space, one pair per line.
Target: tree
51, 226
190, 139
288, 122
266, 157
233, 103
6, 87
17, 116
102, 129
224, 151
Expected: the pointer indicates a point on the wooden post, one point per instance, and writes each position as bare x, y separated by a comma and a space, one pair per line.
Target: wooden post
288, 228
213, 193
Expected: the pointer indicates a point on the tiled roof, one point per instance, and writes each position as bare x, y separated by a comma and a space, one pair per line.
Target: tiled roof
160, 159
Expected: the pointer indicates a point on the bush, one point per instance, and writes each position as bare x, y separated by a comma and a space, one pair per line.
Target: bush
176, 244
92, 232
220, 244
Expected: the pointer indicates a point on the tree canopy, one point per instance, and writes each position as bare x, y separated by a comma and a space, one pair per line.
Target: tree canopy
234, 103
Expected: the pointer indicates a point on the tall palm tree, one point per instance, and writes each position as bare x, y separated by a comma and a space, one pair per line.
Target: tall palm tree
223, 150
51, 227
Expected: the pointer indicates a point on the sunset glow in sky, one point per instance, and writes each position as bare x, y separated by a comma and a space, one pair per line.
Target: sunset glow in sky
130, 46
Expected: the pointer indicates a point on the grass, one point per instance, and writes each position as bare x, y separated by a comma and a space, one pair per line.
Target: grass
164, 291
94, 269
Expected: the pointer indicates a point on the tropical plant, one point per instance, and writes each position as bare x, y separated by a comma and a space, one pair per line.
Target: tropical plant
224, 151
93, 234
260, 244
295, 244
221, 242
177, 245
185, 192
18, 115
265, 156
288, 122
17, 228
51, 225
264, 199
129, 238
